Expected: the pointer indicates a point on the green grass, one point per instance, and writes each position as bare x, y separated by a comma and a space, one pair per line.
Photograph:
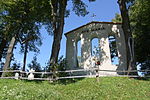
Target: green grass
108, 88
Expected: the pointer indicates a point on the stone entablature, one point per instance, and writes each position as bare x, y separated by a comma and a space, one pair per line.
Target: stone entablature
99, 30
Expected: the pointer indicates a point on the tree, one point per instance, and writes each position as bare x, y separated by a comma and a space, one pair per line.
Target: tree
127, 31
7, 25
20, 18
30, 43
58, 13
3, 40
140, 22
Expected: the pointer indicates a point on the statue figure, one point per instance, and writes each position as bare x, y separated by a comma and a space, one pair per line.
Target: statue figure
16, 76
31, 76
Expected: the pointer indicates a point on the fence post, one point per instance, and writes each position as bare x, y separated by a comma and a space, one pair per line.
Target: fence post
97, 75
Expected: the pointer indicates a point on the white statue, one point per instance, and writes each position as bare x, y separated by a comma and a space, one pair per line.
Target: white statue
16, 76
31, 76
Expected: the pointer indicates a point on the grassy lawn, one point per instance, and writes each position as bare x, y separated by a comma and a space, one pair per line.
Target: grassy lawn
108, 88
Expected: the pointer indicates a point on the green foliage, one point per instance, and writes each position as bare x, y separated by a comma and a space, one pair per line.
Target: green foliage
117, 18
61, 65
140, 25
15, 66
1, 66
9, 74
20, 17
23, 18
79, 7
109, 88
35, 65
146, 66
140, 22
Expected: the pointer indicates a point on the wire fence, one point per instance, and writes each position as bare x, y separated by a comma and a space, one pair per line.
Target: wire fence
69, 74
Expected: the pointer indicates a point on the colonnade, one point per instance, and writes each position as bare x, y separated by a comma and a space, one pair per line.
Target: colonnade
86, 33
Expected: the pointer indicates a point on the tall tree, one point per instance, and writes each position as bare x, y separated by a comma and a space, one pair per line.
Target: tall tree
140, 22
30, 43
9, 53
58, 13
127, 31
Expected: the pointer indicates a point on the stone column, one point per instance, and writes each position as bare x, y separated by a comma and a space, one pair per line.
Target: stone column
85, 50
71, 53
105, 51
121, 48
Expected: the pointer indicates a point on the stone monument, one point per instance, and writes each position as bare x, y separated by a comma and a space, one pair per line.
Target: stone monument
100, 30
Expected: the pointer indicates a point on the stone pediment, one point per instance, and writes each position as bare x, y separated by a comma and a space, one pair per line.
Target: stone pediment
90, 27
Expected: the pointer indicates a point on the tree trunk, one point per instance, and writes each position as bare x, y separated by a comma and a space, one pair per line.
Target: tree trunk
9, 54
127, 31
58, 31
2, 47
25, 56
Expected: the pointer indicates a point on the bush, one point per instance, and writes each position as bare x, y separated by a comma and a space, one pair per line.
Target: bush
61, 65
8, 74
15, 66
36, 66
146, 66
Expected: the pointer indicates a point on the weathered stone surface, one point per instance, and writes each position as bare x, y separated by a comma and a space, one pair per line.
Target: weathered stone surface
99, 30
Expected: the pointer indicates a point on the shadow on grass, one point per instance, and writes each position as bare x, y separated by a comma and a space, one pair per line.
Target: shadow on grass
61, 81
67, 81
35, 81
143, 78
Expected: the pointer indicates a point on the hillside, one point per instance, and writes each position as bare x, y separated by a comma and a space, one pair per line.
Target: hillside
108, 88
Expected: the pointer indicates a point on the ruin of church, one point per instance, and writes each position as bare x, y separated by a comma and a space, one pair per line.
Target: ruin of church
103, 31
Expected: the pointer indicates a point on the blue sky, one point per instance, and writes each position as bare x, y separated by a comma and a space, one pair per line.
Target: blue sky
103, 9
